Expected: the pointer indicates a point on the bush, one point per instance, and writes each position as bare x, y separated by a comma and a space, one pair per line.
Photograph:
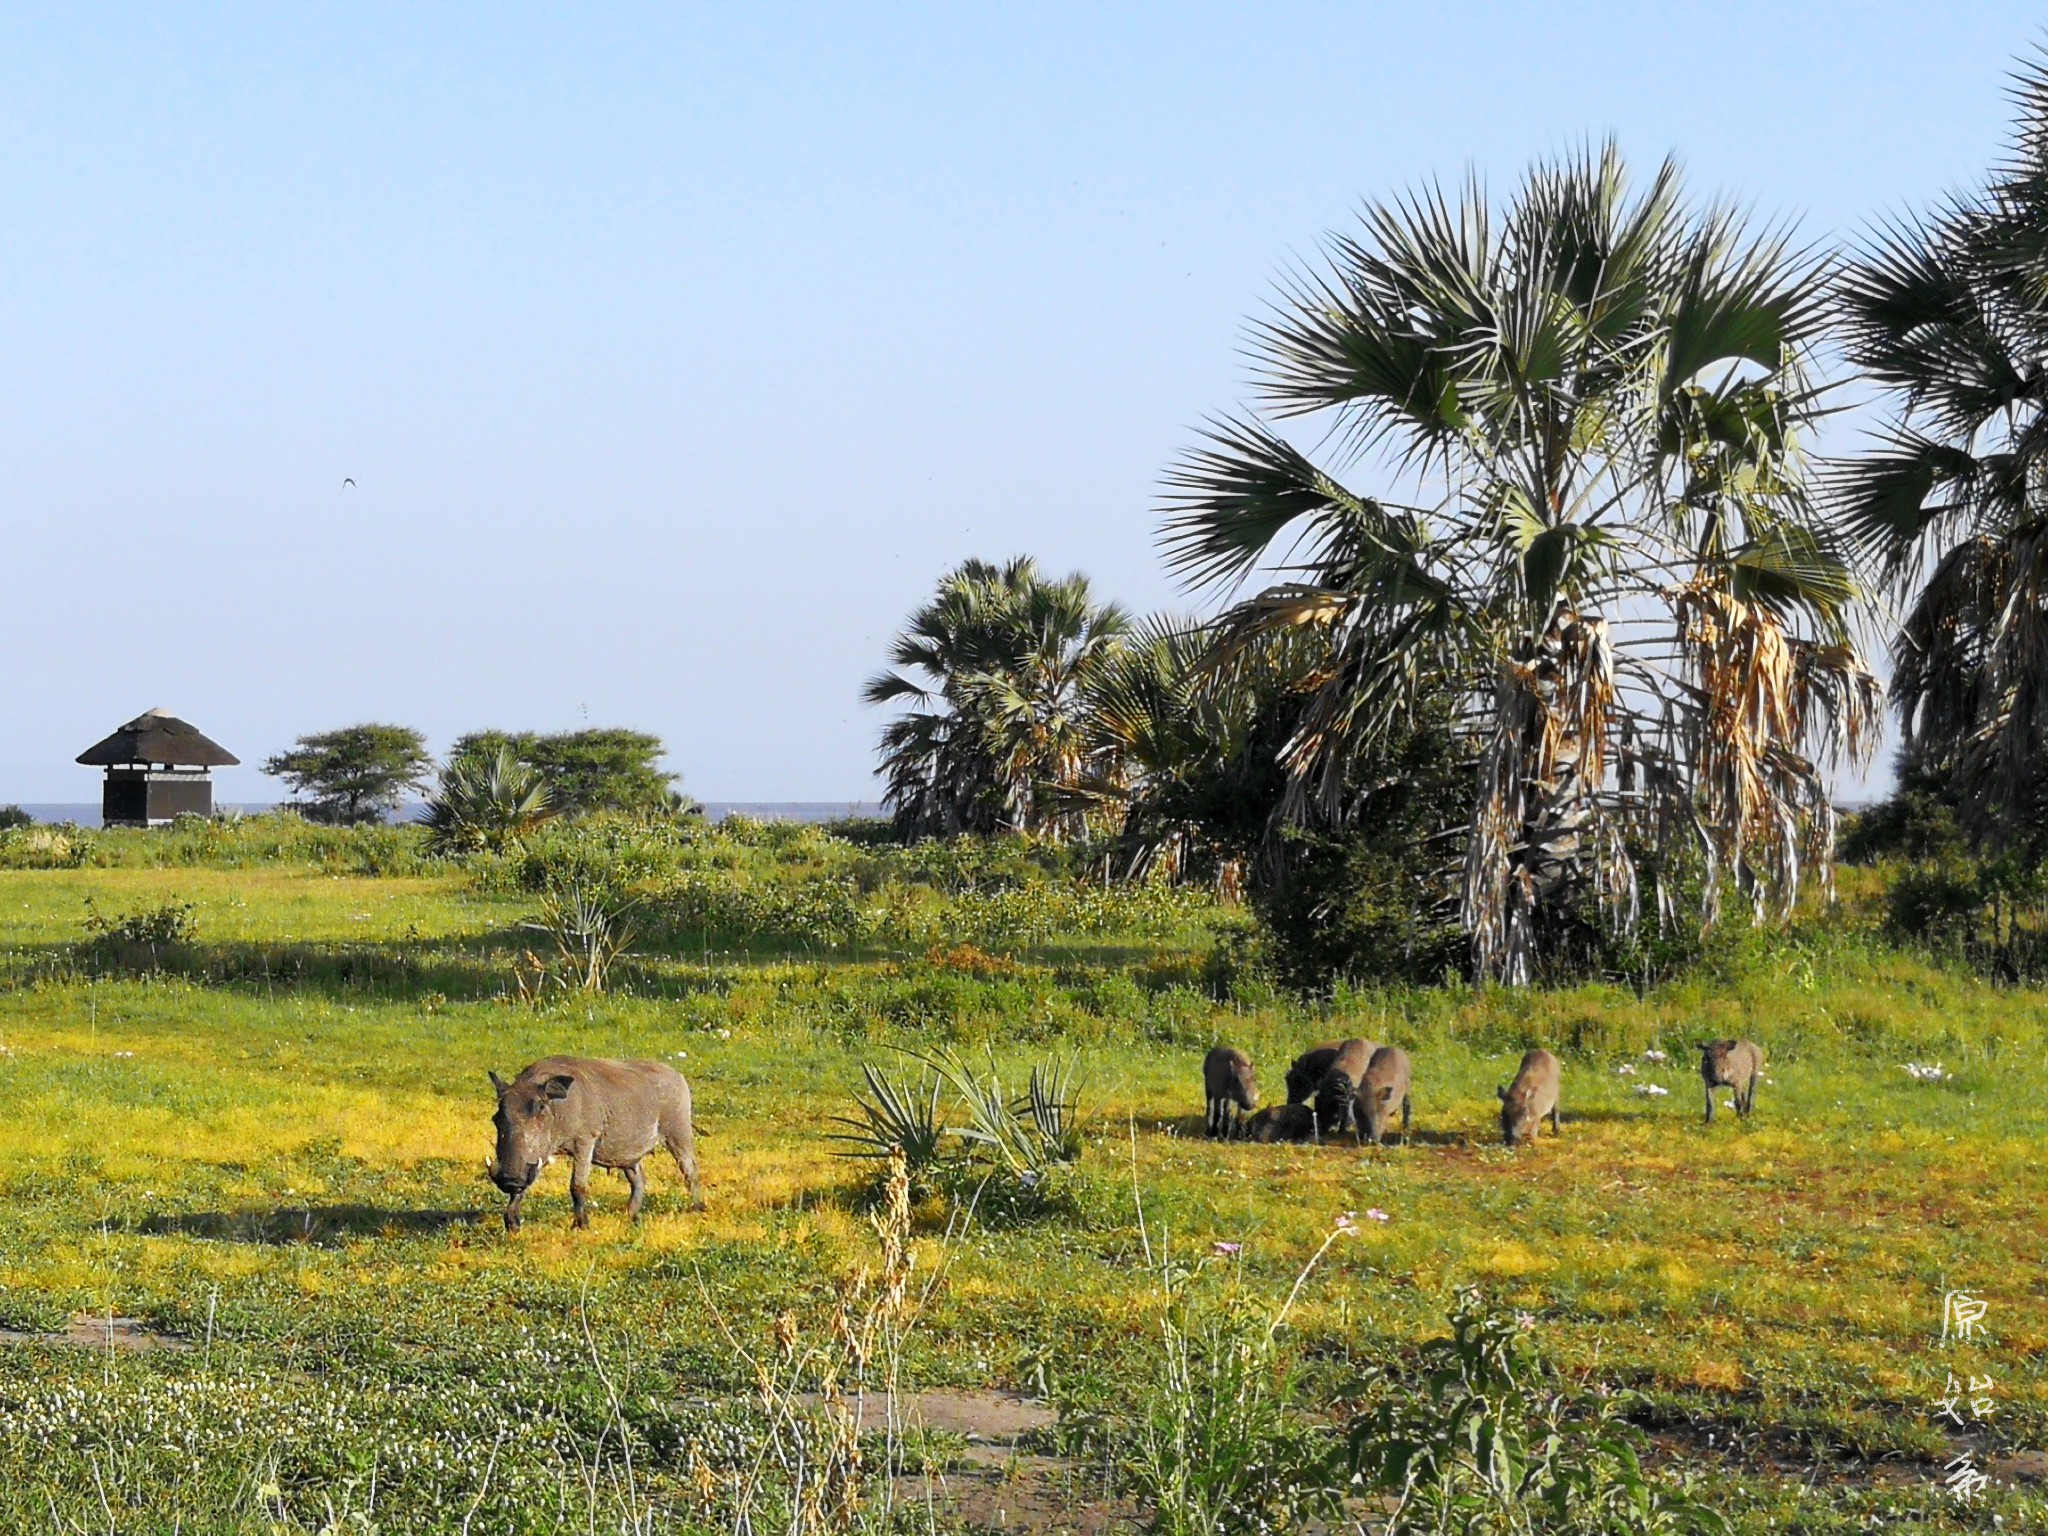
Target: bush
33, 847
1481, 1439
1991, 916
1917, 822
227, 841
12, 816
137, 941
167, 923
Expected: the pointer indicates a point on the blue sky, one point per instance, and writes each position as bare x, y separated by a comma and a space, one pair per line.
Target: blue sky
675, 352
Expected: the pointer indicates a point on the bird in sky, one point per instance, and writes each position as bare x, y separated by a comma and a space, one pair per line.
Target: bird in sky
347, 481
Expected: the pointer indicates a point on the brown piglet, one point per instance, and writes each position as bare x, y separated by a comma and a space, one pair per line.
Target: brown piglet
1530, 1098
1733, 1064
1384, 1089
1230, 1088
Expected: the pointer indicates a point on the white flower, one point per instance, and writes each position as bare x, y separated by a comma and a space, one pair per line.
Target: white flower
1626, 1070
1655, 1056
1653, 1090
1921, 1072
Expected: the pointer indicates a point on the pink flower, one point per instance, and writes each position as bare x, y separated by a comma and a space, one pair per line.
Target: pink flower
1378, 1215
1348, 1222
1226, 1250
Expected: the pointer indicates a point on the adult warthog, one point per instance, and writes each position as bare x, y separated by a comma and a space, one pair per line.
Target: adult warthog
605, 1114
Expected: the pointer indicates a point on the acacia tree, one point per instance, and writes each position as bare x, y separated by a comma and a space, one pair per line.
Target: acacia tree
604, 769
996, 669
1601, 553
1950, 315
358, 773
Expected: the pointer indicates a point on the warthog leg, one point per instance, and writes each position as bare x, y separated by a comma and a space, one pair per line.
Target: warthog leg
579, 1184
512, 1211
636, 1182
682, 1146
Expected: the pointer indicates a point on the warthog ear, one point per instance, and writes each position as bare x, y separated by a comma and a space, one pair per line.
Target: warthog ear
498, 1083
1387, 1094
558, 1086
1501, 1094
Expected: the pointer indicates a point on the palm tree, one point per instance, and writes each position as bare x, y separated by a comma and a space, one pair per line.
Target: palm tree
486, 802
1602, 555
1950, 315
995, 737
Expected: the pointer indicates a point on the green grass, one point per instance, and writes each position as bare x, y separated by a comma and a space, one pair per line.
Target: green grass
271, 1138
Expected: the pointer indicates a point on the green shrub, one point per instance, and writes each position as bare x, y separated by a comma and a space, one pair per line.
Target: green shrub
1480, 1438
166, 923
33, 847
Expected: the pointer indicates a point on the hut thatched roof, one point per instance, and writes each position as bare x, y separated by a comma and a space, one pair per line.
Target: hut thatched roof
158, 737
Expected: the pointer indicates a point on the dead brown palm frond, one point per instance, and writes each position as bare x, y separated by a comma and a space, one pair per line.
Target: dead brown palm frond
1761, 695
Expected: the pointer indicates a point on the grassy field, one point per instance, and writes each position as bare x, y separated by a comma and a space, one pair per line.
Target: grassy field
264, 1144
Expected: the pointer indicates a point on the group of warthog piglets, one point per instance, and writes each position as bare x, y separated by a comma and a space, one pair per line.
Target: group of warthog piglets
1356, 1085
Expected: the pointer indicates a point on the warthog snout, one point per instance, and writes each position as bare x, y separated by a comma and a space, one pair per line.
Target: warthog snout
508, 1183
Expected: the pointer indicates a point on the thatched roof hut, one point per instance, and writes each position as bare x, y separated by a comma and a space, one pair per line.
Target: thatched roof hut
158, 737
157, 770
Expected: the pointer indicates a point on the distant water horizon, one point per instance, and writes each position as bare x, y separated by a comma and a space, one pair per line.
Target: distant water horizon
87, 813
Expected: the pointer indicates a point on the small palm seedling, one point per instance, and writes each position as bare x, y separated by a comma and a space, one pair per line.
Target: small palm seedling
1049, 1103
896, 1120
1030, 1137
589, 931
1026, 1139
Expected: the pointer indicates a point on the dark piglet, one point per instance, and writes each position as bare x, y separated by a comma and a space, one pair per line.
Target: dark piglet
604, 1114
1282, 1122
1230, 1088
1384, 1090
1337, 1094
1532, 1097
1306, 1074
1733, 1064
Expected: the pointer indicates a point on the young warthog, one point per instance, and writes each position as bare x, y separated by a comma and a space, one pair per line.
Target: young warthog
1337, 1094
1531, 1097
1306, 1075
1230, 1088
608, 1114
1282, 1122
1385, 1086
1733, 1064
